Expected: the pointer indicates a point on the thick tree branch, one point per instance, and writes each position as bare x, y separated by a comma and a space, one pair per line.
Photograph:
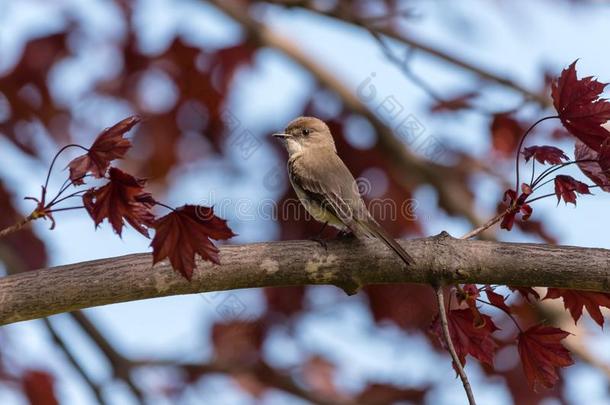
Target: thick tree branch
346, 264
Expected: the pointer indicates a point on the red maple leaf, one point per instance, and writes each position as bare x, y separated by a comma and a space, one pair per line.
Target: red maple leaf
185, 232
122, 198
517, 205
580, 108
589, 163
566, 187
109, 145
525, 292
544, 154
496, 299
468, 337
574, 301
542, 354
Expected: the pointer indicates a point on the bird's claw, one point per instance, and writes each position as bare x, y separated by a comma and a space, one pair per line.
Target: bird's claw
320, 241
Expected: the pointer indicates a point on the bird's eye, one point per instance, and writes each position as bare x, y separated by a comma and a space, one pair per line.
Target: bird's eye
306, 131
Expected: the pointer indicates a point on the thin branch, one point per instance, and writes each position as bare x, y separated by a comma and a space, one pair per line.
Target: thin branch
18, 226
447, 336
121, 366
486, 225
346, 16
75, 364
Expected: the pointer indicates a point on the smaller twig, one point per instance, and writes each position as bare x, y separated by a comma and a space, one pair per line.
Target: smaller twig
447, 337
18, 226
486, 225
64, 348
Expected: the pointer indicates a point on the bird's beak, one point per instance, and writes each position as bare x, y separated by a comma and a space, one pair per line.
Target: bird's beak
281, 135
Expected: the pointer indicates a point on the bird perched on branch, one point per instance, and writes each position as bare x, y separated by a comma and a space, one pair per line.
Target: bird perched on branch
325, 186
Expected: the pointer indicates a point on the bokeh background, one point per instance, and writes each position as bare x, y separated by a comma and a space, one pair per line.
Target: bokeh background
431, 116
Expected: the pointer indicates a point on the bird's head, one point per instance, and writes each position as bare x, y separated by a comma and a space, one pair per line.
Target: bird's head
305, 133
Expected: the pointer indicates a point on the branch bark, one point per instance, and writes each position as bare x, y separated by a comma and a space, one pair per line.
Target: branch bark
346, 264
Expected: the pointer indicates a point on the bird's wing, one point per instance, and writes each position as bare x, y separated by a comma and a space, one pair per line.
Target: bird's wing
327, 181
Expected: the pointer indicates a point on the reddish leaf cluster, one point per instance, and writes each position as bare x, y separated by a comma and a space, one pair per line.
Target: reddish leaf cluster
185, 232
122, 198
542, 354
516, 205
468, 335
580, 108
545, 154
574, 301
566, 188
179, 235
108, 146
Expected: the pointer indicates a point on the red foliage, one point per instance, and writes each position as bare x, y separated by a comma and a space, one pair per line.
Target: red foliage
545, 154
580, 108
122, 198
108, 146
589, 164
496, 299
185, 232
526, 292
517, 205
542, 354
467, 336
38, 386
574, 301
506, 132
566, 187
237, 341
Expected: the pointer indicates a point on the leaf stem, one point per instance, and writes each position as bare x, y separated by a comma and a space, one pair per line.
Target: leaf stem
446, 335
46, 183
521, 145
503, 310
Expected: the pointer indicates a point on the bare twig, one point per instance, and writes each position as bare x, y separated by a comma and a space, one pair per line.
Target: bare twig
79, 369
120, 365
447, 337
486, 225
18, 226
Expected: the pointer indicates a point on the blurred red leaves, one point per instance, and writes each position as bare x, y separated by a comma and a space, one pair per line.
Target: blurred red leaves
287, 301
122, 199
38, 387
409, 306
108, 146
186, 232
580, 108
574, 301
467, 336
566, 188
542, 354
544, 154
238, 341
506, 132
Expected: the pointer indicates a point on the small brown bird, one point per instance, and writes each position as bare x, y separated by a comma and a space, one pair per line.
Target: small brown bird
325, 186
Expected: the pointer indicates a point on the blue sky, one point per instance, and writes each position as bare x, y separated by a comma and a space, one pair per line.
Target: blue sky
513, 38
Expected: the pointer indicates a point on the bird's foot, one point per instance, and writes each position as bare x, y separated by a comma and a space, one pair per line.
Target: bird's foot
320, 241
345, 234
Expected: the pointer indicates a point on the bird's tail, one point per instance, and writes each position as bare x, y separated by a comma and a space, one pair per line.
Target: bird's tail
372, 228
